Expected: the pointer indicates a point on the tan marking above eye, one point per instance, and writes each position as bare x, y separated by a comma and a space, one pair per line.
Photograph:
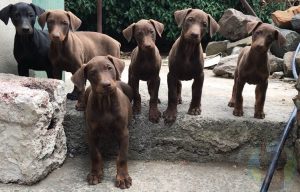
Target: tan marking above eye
190, 19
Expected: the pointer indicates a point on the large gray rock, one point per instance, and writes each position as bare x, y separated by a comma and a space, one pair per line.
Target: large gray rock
287, 64
32, 138
226, 66
292, 41
233, 24
216, 47
276, 64
296, 23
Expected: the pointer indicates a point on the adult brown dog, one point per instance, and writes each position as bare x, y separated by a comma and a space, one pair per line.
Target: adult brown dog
104, 97
253, 67
145, 63
186, 59
69, 49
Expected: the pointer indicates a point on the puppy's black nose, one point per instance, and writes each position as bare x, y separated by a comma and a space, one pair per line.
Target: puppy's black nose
195, 35
25, 29
106, 84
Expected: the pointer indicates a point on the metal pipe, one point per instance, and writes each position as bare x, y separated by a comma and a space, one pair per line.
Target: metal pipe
99, 16
272, 168
287, 130
248, 7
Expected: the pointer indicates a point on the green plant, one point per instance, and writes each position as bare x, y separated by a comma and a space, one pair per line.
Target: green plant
264, 13
117, 15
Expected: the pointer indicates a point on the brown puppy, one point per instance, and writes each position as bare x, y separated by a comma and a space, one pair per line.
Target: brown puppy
253, 67
104, 97
69, 49
145, 63
186, 59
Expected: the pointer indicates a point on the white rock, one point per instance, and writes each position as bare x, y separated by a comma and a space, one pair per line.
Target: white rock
32, 138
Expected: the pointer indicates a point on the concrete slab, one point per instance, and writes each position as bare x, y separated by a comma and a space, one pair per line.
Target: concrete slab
163, 176
215, 135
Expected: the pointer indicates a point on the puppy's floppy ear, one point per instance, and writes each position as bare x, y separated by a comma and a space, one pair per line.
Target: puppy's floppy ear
180, 15
5, 13
38, 10
43, 19
128, 32
213, 25
281, 40
79, 78
159, 27
119, 65
75, 22
252, 26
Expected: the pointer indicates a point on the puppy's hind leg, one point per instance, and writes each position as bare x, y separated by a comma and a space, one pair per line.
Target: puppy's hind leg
232, 100
179, 88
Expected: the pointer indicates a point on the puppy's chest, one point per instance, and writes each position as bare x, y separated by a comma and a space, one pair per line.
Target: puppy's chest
187, 68
105, 121
255, 74
146, 69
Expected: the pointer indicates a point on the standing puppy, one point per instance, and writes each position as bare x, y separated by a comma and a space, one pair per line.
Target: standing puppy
145, 63
186, 59
69, 49
253, 67
108, 111
31, 45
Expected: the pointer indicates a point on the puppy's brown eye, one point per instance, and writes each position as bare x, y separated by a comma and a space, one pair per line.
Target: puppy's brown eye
204, 24
65, 23
190, 19
109, 67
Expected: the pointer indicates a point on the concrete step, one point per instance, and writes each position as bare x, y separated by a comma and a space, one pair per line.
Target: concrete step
162, 176
215, 135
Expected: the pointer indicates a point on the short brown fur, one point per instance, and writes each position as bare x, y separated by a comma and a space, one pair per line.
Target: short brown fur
145, 63
253, 67
186, 59
106, 98
69, 50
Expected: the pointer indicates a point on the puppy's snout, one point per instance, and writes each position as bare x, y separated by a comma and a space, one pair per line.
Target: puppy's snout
147, 46
195, 35
25, 29
55, 35
106, 84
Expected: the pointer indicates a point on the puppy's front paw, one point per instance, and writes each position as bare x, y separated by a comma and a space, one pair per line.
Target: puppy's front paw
259, 115
170, 116
154, 115
238, 113
94, 179
123, 181
194, 111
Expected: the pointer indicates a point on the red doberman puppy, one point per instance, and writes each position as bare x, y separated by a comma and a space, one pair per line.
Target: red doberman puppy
105, 97
186, 59
69, 49
145, 63
253, 67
